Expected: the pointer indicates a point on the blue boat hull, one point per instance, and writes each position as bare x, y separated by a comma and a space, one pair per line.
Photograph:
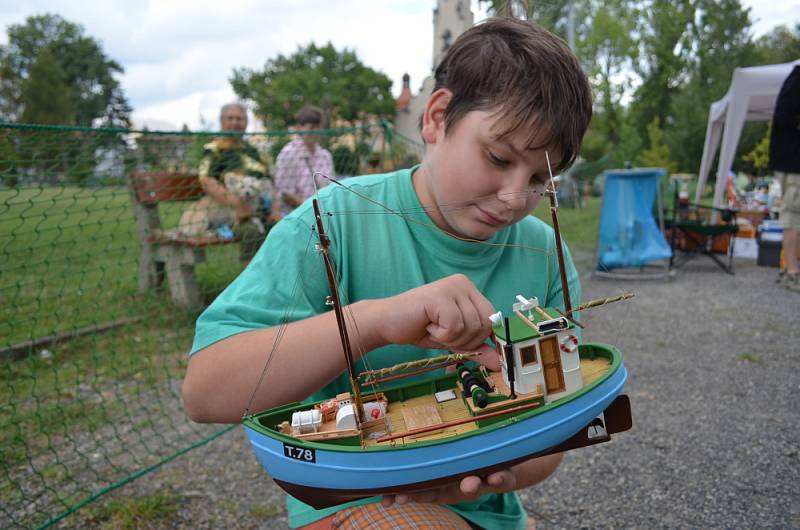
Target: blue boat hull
377, 470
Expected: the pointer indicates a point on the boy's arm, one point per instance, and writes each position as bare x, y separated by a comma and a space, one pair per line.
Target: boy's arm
221, 377
447, 314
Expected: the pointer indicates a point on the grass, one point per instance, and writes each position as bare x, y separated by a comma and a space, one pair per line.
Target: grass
578, 225
156, 509
750, 358
86, 384
69, 260
98, 405
72, 254
264, 511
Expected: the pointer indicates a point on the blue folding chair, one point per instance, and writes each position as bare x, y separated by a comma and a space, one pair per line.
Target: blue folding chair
630, 242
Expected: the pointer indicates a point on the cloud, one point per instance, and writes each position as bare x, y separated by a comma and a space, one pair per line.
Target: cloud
767, 15
179, 54
172, 72
198, 110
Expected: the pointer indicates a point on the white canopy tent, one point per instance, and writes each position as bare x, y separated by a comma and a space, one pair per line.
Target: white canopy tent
751, 96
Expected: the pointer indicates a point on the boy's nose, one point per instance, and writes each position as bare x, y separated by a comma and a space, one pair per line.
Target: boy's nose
515, 196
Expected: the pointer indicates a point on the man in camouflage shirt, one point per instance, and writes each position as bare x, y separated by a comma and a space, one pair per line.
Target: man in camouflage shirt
234, 155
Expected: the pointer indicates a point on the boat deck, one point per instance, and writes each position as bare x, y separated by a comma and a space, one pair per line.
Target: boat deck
420, 412
424, 411
592, 369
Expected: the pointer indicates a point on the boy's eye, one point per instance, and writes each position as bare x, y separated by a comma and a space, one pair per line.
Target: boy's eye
496, 160
538, 180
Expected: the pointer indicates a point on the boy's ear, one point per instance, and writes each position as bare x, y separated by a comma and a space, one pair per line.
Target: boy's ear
433, 116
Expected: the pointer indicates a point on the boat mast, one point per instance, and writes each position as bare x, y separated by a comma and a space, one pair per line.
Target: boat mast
559, 248
337, 308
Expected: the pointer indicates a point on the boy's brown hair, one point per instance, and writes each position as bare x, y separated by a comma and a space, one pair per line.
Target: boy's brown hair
309, 114
529, 75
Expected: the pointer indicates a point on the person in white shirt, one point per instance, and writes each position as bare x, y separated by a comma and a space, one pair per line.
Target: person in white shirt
299, 160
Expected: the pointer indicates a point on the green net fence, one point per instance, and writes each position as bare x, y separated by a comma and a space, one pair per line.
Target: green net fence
100, 284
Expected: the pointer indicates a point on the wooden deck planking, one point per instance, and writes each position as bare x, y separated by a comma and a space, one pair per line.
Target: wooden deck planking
592, 369
448, 411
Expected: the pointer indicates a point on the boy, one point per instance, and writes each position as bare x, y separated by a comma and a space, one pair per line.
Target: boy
299, 160
507, 93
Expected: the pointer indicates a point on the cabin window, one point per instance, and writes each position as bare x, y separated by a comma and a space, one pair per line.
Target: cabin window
528, 355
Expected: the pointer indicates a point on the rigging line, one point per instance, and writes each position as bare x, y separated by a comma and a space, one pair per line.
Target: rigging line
360, 347
314, 175
422, 208
357, 334
283, 325
449, 207
363, 355
434, 227
343, 299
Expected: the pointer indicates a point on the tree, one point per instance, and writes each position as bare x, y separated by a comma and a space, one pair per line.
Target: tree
552, 15
663, 50
46, 97
657, 155
84, 68
608, 50
759, 156
719, 39
337, 82
781, 45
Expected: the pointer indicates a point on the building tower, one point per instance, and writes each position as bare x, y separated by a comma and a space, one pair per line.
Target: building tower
450, 19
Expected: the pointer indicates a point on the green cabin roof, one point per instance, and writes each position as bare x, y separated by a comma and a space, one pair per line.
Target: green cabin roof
520, 330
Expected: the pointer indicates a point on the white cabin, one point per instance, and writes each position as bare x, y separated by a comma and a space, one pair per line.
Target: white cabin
544, 348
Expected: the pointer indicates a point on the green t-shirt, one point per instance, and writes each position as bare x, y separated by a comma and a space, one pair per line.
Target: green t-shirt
380, 253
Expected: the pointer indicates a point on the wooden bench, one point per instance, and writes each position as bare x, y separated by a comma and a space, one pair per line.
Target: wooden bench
164, 253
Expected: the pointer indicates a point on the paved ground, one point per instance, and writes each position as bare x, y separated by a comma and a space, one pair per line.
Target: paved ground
714, 387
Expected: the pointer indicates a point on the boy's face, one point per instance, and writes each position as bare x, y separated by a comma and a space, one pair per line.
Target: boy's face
474, 183
309, 139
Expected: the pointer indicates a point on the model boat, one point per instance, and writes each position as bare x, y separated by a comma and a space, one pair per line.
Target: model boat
552, 394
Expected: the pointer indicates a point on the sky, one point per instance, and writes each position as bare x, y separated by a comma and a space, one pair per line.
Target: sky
179, 54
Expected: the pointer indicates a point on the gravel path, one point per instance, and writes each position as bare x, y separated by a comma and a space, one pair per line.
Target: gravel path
711, 359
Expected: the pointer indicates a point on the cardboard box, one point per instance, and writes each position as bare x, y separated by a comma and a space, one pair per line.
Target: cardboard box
745, 248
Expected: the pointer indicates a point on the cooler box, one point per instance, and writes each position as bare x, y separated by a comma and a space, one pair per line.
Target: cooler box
770, 242
769, 252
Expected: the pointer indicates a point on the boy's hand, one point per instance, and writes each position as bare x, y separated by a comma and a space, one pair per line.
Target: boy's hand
448, 314
467, 489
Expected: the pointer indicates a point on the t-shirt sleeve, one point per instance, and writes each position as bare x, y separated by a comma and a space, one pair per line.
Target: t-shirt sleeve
285, 282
